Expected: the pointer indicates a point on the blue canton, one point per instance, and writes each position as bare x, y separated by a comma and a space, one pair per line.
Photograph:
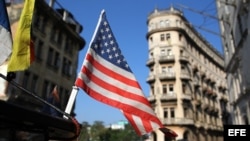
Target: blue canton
106, 46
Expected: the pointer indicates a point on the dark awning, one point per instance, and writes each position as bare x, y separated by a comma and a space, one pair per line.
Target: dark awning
17, 118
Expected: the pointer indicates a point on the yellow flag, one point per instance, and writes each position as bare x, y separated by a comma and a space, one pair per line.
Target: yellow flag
22, 54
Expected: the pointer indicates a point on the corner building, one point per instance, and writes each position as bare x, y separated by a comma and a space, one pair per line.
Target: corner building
187, 82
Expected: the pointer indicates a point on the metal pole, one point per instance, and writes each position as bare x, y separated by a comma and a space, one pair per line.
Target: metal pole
71, 100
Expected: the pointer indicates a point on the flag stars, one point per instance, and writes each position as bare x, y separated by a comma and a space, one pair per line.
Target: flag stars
105, 44
109, 36
105, 23
102, 52
110, 56
108, 48
107, 29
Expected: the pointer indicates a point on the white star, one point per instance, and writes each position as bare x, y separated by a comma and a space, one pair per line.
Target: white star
105, 23
111, 42
118, 61
102, 52
109, 36
103, 37
106, 44
116, 55
110, 57
107, 29
102, 31
96, 46
108, 51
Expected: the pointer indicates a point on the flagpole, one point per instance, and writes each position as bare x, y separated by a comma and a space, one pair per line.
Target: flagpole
71, 100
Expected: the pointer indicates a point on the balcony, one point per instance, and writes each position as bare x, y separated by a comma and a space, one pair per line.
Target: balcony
151, 78
196, 83
197, 102
166, 58
150, 62
186, 97
184, 58
169, 97
178, 121
151, 99
185, 75
167, 76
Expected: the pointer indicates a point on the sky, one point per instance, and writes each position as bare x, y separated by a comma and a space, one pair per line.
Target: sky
128, 21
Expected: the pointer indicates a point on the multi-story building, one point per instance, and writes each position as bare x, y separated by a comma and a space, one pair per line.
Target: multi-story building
187, 81
234, 25
57, 42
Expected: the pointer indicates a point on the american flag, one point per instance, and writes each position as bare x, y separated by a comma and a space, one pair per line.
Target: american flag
106, 76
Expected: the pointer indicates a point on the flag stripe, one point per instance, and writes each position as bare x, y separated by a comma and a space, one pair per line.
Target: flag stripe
113, 88
109, 78
115, 74
110, 98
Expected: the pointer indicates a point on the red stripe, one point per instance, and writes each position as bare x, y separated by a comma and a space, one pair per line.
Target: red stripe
112, 73
117, 104
113, 88
132, 122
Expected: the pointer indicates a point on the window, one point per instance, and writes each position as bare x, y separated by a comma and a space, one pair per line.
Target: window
50, 56
162, 37
165, 112
185, 112
26, 79
162, 24
164, 89
39, 50
151, 39
170, 69
152, 90
34, 84
184, 88
168, 36
163, 69
180, 36
171, 88
167, 22
169, 52
162, 52
45, 89
172, 113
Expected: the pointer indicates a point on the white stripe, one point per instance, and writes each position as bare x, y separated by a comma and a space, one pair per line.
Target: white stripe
112, 81
104, 92
111, 66
5, 44
139, 124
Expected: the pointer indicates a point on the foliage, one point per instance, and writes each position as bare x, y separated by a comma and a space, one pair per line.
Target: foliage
98, 132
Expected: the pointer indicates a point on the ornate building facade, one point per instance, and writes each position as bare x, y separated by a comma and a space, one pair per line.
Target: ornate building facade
187, 80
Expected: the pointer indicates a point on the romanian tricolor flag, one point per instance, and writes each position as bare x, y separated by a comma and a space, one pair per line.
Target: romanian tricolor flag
23, 52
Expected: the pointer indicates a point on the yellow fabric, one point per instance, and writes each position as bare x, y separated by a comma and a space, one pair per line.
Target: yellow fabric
20, 58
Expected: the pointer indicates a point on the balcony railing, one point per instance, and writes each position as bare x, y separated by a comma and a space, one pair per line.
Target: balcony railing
185, 75
168, 97
166, 76
151, 78
184, 58
166, 58
150, 62
178, 121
